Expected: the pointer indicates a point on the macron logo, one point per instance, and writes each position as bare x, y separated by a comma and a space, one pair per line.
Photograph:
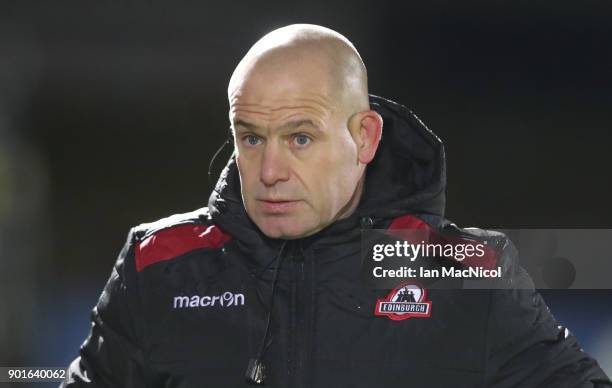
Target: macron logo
226, 299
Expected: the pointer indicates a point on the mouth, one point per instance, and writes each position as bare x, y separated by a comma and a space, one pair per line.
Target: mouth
278, 206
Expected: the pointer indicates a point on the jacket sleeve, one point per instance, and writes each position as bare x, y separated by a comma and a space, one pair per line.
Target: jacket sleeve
112, 355
527, 347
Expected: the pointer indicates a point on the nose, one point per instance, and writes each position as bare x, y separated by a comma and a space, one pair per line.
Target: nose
274, 166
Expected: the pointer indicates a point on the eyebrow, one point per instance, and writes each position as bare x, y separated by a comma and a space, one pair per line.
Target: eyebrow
288, 126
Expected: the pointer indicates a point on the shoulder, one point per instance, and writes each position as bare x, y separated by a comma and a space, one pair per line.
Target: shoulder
499, 252
497, 240
146, 229
494, 248
445, 228
174, 236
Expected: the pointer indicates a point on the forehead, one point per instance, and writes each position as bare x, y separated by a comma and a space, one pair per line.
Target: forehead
277, 88
281, 108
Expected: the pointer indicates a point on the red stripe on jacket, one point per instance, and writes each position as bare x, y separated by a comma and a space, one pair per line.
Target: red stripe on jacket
408, 221
170, 243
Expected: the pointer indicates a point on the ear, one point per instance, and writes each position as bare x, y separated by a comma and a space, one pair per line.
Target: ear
366, 130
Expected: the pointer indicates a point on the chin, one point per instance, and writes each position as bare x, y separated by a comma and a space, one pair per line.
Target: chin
283, 229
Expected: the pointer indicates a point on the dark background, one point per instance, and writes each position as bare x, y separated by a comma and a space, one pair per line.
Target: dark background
110, 112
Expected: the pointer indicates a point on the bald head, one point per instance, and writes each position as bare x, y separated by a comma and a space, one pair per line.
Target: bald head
310, 53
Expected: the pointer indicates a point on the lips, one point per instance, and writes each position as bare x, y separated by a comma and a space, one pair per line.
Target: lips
278, 206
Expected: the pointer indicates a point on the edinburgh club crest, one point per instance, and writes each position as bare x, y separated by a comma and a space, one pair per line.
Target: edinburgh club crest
403, 302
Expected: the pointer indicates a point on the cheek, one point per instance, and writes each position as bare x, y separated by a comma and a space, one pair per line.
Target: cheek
335, 177
248, 178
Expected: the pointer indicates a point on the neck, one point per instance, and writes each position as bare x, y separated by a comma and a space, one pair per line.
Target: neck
352, 204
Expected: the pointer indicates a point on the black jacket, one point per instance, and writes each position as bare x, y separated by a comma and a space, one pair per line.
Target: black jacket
189, 299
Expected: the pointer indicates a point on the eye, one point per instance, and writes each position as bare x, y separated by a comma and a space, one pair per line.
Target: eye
302, 140
251, 140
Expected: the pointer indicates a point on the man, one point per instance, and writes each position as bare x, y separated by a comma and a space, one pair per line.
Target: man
264, 285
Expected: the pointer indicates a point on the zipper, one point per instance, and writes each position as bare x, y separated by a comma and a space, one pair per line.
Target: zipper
299, 325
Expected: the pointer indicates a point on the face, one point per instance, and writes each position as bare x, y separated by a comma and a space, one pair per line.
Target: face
297, 160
